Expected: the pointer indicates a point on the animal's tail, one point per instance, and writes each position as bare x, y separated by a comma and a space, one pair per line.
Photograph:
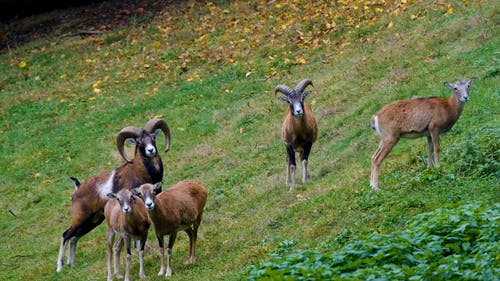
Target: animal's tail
76, 181
375, 125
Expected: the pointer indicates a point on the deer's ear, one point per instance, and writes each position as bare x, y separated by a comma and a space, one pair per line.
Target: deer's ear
471, 81
157, 188
448, 84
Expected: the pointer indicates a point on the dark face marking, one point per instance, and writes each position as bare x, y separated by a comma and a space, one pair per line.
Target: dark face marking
296, 102
147, 144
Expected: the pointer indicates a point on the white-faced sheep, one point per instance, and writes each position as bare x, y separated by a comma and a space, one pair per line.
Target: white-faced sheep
415, 118
178, 208
126, 215
87, 202
299, 130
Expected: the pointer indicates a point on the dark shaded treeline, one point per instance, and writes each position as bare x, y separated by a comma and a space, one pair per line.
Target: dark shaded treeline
15, 9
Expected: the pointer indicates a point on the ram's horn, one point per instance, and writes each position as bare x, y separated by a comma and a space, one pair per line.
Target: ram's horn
284, 89
155, 124
126, 133
302, 85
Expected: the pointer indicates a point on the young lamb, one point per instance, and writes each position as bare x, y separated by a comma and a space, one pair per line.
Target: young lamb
178, 208
89, 198
299, 130
126, 215
415, 118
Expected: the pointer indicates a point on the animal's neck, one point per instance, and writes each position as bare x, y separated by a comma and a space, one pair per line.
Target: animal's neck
130, 218
455, 104
153, 166
299, 121
156, 213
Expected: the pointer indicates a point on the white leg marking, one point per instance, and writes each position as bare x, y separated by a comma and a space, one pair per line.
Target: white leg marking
72, 250
305, 174
292, 176
162, 262
60, 257
169, 259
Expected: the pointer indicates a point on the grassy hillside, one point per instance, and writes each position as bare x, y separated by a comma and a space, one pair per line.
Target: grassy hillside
209, 69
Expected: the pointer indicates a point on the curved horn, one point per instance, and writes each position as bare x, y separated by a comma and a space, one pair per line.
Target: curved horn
155, 124
303, 84
126, 133
284, 89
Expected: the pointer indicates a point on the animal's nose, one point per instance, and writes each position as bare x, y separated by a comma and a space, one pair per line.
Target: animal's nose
149, 205
126, 209
151, 150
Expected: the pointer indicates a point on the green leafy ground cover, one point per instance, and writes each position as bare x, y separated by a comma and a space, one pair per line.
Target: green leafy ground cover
461, 243
209, 69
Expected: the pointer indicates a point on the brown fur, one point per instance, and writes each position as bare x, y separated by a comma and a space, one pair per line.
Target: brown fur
178, 208
415, 118
87, 205
297, 131
131, 226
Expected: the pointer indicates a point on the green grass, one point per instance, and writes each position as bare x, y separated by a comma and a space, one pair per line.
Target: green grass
209, 70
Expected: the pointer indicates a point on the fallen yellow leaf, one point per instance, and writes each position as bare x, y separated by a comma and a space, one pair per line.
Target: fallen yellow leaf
449, 11
300, 60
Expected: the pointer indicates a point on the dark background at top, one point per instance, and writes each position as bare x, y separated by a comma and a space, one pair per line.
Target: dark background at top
15, 9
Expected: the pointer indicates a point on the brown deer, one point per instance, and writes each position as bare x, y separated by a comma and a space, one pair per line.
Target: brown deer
415, 118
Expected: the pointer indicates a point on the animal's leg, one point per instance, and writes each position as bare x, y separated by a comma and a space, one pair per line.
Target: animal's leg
171, 242
110, 238
192, 240
435, 143
162, 255
62, 248
291, 167
373, 183
82, 227
304, 157
127, 260
141, 257
72, 250
430, 152
384, 148
117, 248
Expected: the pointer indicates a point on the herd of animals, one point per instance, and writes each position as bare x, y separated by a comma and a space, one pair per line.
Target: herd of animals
130, 197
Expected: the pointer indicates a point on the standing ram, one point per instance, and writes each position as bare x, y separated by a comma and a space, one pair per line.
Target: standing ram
299, 130
90, 197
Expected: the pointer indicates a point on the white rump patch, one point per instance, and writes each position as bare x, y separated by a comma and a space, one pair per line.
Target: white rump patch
106, 187
377, 126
